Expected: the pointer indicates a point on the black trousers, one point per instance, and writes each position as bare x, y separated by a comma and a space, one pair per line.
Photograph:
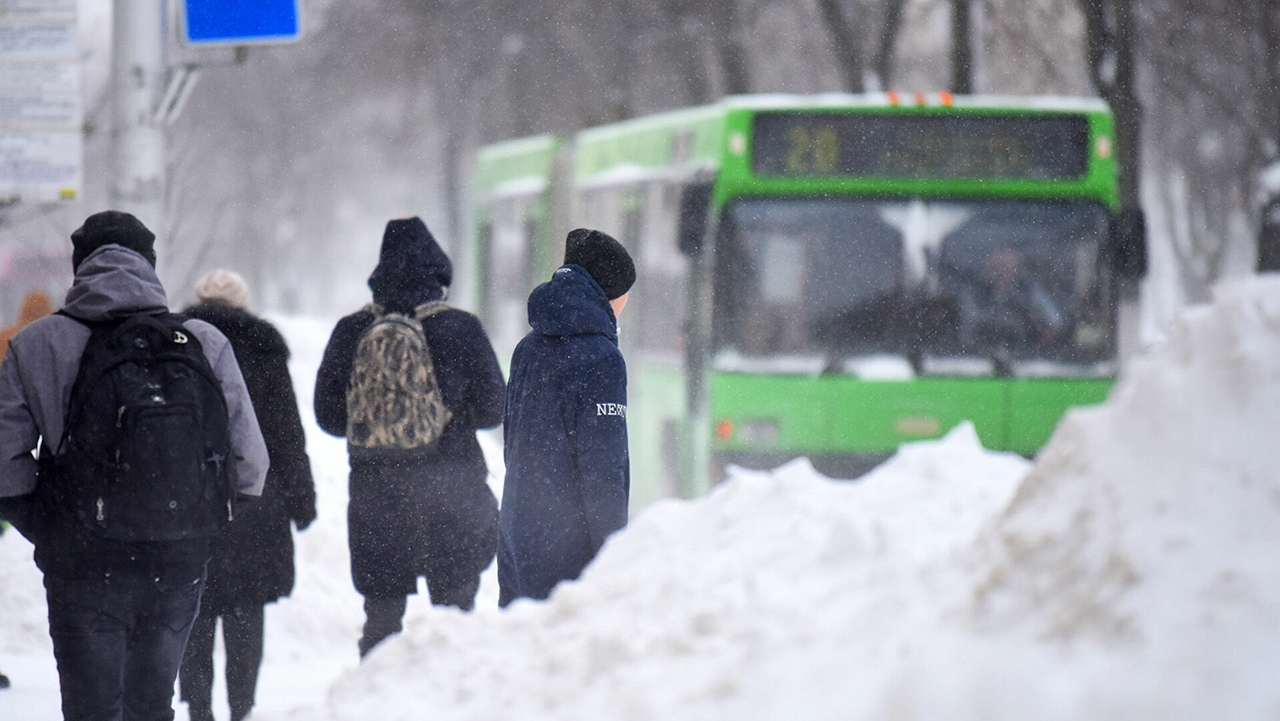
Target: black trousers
242, 636
384, 617
118, 643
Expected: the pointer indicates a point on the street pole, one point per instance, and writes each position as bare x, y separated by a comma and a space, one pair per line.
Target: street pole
138, 148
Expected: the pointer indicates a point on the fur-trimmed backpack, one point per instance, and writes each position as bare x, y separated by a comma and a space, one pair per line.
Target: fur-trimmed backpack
393, 398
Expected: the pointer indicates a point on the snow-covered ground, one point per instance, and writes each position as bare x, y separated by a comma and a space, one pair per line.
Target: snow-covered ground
1132, 572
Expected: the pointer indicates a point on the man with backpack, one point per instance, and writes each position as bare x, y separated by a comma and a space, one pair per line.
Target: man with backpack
127, 439
408, 380
565, 425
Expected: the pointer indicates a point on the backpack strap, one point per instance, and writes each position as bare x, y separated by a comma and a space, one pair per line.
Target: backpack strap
112, 322
421, 312
430, 308
90, 324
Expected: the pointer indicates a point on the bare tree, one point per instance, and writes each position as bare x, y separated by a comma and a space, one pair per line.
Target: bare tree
845, 43
727, 22
961, 46
1212, 63
1266, 18
890, 29
1111, 37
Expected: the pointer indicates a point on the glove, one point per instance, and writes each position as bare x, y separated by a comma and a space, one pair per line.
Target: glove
19, 511
303, 513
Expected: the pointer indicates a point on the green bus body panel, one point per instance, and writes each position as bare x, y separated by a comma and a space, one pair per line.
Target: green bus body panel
505, 165
656, 431
1039, 403
828, 414
840, 414
523, 168
650, 144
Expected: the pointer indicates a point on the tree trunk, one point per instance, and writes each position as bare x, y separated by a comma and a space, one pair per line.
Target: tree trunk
961, 47
883, 65
1111, 67
844, 43
730, 48
1270, 91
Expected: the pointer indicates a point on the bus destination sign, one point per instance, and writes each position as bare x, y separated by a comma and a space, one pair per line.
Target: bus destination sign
970, 146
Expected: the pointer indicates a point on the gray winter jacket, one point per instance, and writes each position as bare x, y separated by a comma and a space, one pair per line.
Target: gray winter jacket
44, 357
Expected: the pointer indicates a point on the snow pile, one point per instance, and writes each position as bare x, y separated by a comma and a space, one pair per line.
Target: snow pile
663, 624
1150, 526
1130, 574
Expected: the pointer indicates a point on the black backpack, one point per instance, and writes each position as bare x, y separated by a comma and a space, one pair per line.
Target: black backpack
144, 453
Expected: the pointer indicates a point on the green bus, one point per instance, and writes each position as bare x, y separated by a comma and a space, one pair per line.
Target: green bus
829, 276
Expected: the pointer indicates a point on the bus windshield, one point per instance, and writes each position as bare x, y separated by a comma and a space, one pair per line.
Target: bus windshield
940, 287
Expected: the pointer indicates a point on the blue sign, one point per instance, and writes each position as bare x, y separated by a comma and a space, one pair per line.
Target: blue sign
238, 22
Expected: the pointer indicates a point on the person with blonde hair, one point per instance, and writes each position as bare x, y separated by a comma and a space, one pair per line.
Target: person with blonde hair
253, 559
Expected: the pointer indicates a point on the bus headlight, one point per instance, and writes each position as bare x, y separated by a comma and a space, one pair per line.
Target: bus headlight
758, 432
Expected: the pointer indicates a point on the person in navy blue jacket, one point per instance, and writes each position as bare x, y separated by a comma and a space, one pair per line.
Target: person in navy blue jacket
565, 445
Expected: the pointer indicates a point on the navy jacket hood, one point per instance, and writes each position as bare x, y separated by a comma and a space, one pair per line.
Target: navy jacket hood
571, 303
412, 267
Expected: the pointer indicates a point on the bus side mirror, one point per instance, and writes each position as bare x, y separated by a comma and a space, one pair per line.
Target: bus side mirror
1269, 239
1127, 243
695, 205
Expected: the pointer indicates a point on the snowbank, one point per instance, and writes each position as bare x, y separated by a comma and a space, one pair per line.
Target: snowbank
1131, 573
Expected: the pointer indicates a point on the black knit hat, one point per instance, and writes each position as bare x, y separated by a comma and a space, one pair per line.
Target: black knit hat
604, 258
112, 227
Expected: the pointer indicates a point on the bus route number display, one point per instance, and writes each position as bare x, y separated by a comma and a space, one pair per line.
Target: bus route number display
1031, 147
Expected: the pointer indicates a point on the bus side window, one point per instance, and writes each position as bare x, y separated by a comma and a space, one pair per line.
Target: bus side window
484, 245
508, 272
530, 239
661, 284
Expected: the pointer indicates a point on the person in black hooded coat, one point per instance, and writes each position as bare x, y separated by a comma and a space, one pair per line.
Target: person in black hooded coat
252, 562
411, 515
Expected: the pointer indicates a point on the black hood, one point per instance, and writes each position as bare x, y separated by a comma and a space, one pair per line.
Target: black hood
412, 268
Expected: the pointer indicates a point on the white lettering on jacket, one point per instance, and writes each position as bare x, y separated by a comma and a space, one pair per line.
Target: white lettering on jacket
611, 409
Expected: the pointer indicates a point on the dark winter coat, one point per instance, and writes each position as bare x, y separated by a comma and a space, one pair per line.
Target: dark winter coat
252, 560
568, 475
35, 384
410, 516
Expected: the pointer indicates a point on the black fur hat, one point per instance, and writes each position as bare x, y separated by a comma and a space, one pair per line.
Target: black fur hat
604, 258
112, 227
